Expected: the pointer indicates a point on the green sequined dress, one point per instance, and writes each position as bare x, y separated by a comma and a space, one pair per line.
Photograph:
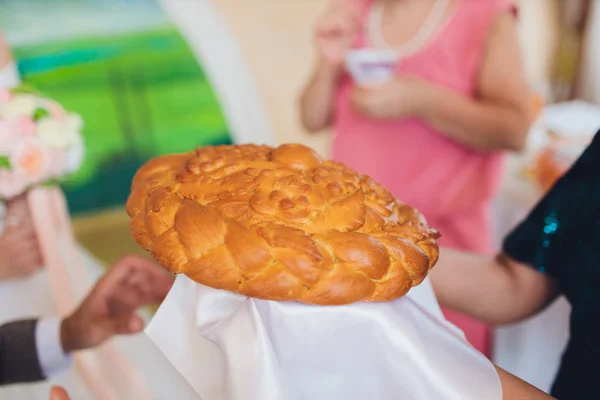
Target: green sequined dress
561, 237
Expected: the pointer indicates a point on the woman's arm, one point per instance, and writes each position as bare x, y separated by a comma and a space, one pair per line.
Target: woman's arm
514, 388
499, 118
316, 102
20, 254
497, 291
335, 35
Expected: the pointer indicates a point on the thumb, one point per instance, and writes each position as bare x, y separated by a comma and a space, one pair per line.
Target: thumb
58, 393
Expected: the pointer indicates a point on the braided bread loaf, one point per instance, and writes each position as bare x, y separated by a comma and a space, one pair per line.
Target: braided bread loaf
279, 224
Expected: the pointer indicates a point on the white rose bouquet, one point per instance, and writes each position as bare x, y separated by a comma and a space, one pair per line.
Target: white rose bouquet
40, 143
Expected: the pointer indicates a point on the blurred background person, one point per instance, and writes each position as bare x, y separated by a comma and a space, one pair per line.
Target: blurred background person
132, 282
434, 134
26, 292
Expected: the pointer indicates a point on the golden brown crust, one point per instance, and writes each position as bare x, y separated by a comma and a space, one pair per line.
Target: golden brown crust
279, 224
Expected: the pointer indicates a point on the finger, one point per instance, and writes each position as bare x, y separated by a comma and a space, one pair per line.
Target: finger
337, 5
58, 393
39, 261
24, 255
153, 282
354, 6
140, 284
113, 284
349, 10
127, 301
24, 243
162, 288
18, 204
375, 87
18, 271
128, 325
332, 28
346, 4
18, 233
135, 295
355, 102
20, 219
118, 274
159, 280
149, 278
338, 22
357, 94
27, 266
359, 104
347, 27
145, 288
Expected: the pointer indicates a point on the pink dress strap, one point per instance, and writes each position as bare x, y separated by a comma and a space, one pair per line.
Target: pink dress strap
484, 10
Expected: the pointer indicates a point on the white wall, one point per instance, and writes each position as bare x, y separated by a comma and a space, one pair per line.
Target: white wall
275, 37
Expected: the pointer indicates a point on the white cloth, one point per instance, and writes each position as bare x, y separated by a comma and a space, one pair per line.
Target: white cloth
51, 356
229, 347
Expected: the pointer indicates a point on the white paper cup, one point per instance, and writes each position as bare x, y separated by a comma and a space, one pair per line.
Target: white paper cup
371, 66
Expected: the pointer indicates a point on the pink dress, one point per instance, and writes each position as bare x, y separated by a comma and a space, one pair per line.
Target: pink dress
451, 184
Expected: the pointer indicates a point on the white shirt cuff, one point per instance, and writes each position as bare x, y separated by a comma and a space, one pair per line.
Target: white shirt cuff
51, 356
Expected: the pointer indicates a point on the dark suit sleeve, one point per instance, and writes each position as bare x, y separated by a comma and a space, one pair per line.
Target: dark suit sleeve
18, 353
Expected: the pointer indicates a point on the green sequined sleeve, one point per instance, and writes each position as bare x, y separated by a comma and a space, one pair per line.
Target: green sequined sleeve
559, 236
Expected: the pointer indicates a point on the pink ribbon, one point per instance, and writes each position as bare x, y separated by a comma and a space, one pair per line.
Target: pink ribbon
59, 248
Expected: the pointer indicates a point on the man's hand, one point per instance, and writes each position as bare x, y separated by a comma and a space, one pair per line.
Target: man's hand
110, 308
402, 97
20, 254
58, 393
